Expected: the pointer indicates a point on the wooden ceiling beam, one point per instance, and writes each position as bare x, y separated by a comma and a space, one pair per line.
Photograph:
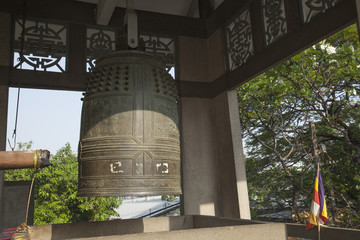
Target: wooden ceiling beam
299, 37
104, 11
206, 8
83, 13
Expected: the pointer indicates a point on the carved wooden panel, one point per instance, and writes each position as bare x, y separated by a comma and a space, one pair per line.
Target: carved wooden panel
274, 20
239, 40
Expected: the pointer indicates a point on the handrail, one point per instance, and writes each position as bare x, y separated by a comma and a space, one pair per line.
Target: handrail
161, 211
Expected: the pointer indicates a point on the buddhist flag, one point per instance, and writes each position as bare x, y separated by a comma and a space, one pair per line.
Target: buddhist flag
318, 211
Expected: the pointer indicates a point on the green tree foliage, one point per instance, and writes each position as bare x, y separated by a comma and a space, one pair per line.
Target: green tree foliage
169, 198
56, 189
321, 84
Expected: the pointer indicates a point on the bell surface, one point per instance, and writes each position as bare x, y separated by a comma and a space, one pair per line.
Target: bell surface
129, 138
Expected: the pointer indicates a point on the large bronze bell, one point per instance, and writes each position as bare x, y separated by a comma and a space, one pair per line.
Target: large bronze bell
129, 137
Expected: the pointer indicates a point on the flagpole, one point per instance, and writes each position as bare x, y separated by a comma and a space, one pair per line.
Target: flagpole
319, 189
317, 161
318, 169
317, 175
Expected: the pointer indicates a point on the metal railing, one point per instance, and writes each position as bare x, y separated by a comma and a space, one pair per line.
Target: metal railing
161, 211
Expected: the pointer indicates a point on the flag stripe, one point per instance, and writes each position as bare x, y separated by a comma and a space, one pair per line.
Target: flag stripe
323, 210
318, 210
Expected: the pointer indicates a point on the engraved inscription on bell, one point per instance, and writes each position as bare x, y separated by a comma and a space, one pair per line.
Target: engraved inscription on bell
129, 137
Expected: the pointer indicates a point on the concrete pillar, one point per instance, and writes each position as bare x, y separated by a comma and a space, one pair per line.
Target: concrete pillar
214, 178
238, 154
199, 166
230, 157
5, 30
200, 175
3, 124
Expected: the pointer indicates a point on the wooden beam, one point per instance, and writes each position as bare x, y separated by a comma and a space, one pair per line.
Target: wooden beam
195, 89
77, 59
104, 11
60, 10
193, 9
83, 13
73, 81
24, 159
223, 14
164, 24
206, 8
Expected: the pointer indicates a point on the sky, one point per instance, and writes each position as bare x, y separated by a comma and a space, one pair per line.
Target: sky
47, 117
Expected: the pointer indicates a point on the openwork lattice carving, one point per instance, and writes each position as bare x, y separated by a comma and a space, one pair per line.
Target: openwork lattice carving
275, 25
44, 46
163, 47
311, 8
239, 40
98, 43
